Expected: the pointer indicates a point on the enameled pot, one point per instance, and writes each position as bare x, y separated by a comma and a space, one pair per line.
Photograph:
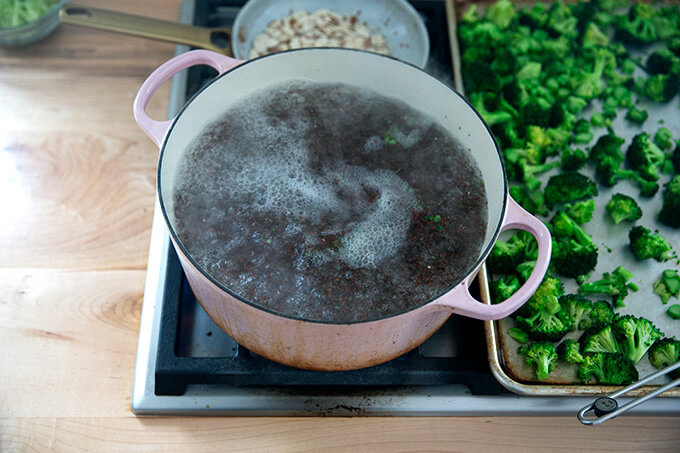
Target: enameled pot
323, 345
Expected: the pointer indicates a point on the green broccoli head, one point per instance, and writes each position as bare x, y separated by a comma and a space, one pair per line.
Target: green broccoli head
505, 256
532, 201
636, 115
542, 317
665, 352
574, 252
579, 309
581, 211
599, 338
622, 207
645, 157
573, 158
645, 245
569, 186
605, 368
568, 351
601, 313
670, 211
639, 26
662, 87
636, 335
542, 355
504, 287
501, 13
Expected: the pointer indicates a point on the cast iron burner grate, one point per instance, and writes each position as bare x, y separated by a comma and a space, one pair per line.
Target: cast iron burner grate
193, 350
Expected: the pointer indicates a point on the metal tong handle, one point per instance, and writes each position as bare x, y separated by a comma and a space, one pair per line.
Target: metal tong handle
146, 27
606, 407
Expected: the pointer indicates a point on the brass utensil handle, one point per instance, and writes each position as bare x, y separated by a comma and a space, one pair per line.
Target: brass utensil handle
144, 26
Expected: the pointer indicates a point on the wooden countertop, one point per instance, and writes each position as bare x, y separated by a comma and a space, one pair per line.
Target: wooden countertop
76, 197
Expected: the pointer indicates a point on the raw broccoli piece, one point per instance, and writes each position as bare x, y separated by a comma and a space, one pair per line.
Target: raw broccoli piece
612, 369
645, 245
504, 287
505, 256
662, 61
622, 207
542, 355
662, 87
668, 285
501, 13
525, 269
581, 211
592, 36
610, 173
527, 171
581, 133
615, 285
670, 211
665, 352
574, 252
569, 186
635, 115
645, 157
568, 351
542, 317
601, 313
530, 154
478, 101
532, 201
573, 158
599, 120
663, 138
636, 335
607, 147
579, 309
639, 26
599, 338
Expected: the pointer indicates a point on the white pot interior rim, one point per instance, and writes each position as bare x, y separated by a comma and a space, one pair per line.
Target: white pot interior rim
491, 236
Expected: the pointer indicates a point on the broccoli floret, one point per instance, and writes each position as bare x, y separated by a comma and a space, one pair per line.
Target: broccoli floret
573, 158
501, 13
645, 157
504, 287
568, 351
665, 352
622, 207
662, 87
505, 256
645, 245
532, 201
663, 138
579, 309
662, 62
670, 211
574, 252
607, 147
599, 120
525, 269
603, 368
674, 311
530, 155
601, 313
542, 355
581, 211
638, 27
581, 132
636, 335
527, 171
635, 115
617, 284
668, 285
569, 186
599, 338
478, 101
542, 317
592, 36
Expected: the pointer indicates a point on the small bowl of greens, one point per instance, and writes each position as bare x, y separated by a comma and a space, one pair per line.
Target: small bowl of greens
25, 21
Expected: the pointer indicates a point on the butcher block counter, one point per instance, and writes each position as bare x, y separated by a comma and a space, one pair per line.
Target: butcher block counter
77, 196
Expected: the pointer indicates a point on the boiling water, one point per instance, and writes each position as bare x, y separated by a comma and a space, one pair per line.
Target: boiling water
331, 203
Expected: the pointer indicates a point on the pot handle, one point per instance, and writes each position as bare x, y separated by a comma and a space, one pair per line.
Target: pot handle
156, 130
460, 301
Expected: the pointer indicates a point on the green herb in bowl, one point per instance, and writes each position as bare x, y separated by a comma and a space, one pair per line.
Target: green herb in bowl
14, 13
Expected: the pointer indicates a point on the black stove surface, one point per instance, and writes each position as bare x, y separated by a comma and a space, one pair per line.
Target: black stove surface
193, 350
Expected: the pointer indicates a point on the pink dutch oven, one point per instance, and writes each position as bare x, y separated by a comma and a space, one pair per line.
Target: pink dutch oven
322, 345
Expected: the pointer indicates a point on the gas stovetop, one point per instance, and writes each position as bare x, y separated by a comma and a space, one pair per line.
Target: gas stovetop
187, 365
